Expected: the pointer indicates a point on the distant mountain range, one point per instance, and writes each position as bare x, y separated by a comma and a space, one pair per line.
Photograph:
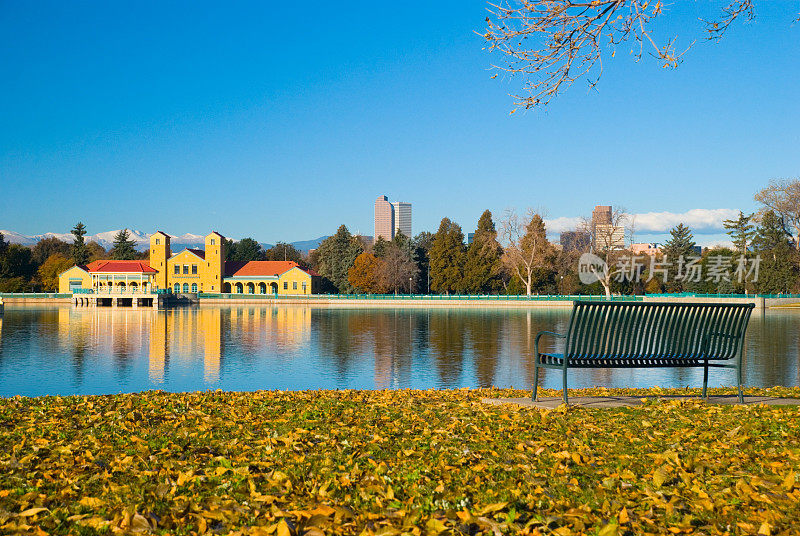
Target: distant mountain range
106, 239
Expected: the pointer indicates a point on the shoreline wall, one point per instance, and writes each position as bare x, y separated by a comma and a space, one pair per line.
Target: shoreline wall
434, 301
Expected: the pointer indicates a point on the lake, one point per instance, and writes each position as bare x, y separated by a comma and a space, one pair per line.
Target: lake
64, 350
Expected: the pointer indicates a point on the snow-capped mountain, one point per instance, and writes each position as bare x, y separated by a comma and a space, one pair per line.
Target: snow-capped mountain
142, 240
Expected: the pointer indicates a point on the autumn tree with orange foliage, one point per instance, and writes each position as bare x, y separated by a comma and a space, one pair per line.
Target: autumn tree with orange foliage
366, 274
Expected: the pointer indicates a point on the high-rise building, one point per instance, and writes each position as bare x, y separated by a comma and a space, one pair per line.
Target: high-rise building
402, 218
384, 218
391, 218
606, 235
602, 214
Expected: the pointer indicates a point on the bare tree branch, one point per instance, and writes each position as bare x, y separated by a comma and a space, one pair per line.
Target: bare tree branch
731, 12
552, 43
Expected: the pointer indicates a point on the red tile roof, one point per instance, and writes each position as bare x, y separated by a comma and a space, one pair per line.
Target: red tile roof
105, 266
260, 268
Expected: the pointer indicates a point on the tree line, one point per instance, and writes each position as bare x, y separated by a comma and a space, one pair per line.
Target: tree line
514, 257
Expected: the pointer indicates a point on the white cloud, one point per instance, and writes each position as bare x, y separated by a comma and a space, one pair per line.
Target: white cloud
559, 225
699, 220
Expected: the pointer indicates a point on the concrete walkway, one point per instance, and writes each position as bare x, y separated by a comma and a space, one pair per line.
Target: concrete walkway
626, 401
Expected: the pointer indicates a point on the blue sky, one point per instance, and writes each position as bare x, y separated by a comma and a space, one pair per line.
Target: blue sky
272, 121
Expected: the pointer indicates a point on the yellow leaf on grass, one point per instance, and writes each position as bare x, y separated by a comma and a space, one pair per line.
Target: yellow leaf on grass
283, 528
765, 529
492, 508
434, 526
183, 478
91, 502
31, 512
609, 530
623, 516
660, 476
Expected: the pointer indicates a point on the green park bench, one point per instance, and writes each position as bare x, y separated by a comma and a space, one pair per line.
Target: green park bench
649, 335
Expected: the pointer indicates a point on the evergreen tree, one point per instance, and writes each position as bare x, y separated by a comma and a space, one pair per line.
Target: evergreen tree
447, 256
422, 245
741, 232
3, 244
79, 253
379, 247
680, 244
247, 249
483, 265
336, 255
778, 267
124, 248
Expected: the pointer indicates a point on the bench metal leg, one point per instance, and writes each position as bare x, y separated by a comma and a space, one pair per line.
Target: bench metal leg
705, 381
536, 379
739, 379
564, 389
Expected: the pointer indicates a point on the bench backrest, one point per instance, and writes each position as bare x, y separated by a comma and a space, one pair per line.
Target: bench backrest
631, 330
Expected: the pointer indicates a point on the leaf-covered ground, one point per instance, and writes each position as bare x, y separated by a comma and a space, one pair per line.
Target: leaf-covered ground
394, 462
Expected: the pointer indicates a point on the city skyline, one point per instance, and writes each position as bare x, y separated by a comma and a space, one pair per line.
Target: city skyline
256, 129
649, 227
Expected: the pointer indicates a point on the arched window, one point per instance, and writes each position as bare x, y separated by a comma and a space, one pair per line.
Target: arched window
239, 288
274, 287
177, 288
194, 287
262, 288
251, 288
226, 287
186, 287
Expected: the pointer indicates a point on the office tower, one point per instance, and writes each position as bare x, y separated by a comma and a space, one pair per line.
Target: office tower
601, 215
402, 218
606, 234
384, 218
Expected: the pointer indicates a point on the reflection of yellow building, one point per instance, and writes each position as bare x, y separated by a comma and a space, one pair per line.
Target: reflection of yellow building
191, 271
193, 332
179, 338
210, 328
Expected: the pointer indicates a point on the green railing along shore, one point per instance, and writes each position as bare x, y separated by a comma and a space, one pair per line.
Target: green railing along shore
422, 297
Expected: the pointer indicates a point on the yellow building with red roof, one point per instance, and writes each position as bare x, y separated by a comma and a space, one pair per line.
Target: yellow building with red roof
190, 271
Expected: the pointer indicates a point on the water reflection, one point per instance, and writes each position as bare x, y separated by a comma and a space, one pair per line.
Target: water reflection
64, 350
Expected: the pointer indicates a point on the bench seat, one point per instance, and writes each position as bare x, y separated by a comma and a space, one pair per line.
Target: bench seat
634, 362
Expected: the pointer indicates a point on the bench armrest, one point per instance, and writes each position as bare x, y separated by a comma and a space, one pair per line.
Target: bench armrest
542, 333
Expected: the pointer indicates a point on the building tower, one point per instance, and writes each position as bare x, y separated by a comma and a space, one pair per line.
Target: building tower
402, 218
606, 234
215, 262
159, 253
384, 218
